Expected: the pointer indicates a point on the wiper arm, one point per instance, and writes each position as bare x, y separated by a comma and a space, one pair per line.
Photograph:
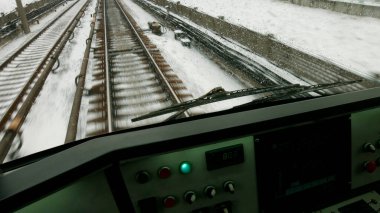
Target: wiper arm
219, 94
296, 91
215, 95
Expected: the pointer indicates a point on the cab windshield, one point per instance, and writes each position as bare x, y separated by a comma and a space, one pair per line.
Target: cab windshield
76, 69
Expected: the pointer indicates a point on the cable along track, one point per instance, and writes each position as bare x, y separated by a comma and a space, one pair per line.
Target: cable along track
130, 77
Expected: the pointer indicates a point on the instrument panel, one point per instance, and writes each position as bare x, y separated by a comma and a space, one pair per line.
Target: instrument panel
319, 155
212, 178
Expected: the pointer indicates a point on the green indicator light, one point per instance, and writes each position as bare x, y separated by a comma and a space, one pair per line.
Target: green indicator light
185, 168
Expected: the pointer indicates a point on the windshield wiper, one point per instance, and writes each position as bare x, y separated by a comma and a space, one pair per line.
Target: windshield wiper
219, 94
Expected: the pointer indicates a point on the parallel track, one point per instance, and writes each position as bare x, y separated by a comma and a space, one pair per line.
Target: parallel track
311, 72
19, 72
130, 77
24, 76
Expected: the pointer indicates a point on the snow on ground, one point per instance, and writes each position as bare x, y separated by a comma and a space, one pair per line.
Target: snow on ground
45, 126
7, 6
199, 73
12, 46
349, 41
363, 2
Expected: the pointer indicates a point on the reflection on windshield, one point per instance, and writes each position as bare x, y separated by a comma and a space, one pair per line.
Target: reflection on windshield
123, 64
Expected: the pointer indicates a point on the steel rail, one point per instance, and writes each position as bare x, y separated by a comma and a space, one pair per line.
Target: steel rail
110, 124
153, 62
17, 121
75, 109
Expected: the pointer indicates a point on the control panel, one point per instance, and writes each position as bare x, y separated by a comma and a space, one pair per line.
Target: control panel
218, 177
366, 203
303, 166
365, 156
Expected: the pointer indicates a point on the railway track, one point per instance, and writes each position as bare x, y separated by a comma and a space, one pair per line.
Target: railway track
19, 71
22, 75
311, 72
130, 77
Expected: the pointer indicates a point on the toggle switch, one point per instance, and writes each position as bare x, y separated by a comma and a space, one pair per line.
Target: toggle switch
229, 186
190, 197
369, 147
210, 191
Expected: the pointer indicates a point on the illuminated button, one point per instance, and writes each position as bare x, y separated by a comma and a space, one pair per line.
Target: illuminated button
368, 147
229, 186
142, 177
185, 168
190, 197
164, 172
210, 191
370, 166
169, 201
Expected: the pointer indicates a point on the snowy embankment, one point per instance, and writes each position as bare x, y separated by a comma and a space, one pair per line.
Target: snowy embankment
363, 2
349, 41
7, 6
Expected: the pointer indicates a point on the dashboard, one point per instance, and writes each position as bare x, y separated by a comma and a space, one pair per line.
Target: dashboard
315, 155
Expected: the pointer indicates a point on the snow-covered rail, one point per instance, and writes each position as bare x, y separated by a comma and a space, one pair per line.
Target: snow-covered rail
130, 77
23, 75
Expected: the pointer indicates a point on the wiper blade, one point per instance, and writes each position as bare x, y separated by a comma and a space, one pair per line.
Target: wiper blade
219, 94
215, 95
296, 91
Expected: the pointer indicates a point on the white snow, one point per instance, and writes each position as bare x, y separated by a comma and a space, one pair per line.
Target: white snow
46, 124
349, 41
7, 6
363, 2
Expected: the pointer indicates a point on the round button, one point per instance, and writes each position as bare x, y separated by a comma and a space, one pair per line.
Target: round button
370, 166
190, 197
229, 186
142, 177
164, 172
210, 191
169, 201
185, 168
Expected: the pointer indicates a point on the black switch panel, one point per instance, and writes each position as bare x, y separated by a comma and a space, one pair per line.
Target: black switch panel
358, 207
148, 205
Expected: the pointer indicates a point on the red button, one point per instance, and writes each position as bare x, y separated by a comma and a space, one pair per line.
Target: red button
370, 166
169, 201
164, 172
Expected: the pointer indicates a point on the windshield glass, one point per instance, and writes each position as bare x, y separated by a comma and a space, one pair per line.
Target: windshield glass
74, 69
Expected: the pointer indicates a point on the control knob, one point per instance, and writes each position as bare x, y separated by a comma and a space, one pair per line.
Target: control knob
369, 147
229, 186
190, 197
210, 191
